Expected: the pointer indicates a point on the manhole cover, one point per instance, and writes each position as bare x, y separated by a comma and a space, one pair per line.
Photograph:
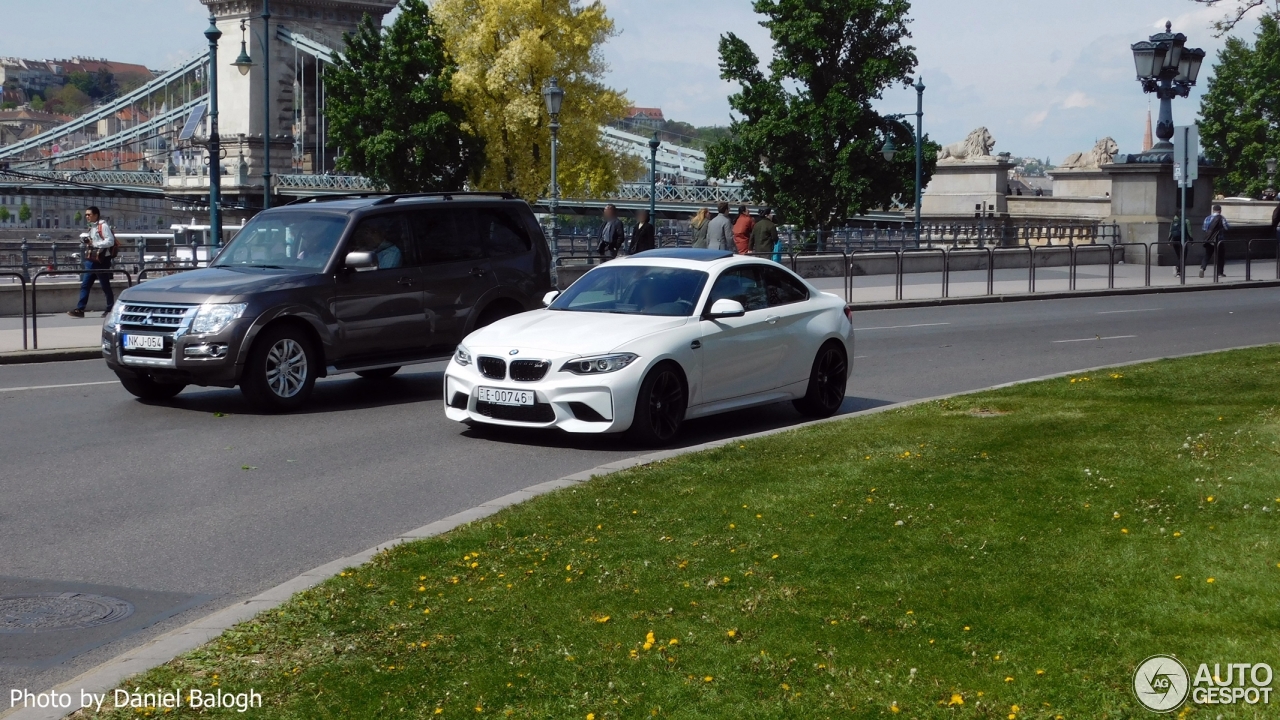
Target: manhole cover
42, 612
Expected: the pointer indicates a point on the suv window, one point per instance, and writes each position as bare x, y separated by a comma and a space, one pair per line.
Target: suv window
383, 235
782, 288
444, 236
502, 233
742, 284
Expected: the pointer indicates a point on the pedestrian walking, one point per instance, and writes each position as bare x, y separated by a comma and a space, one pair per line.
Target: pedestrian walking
1275, 223
1176, 230
1215, 229
643, 237
99, 250
720, 229
699, 224
764, 235
611, 235
742, 231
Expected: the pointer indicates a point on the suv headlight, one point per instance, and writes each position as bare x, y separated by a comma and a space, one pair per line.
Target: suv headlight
599, 364
213, 317
113, 318
462, 356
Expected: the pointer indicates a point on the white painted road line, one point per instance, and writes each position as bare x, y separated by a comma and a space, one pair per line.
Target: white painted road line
1117, 312
1109, 337
900, 327
52, 387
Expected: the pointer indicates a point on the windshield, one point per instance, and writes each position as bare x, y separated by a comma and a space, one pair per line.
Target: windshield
290, 241
634, 290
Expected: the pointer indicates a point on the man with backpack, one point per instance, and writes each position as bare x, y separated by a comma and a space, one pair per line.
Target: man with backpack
99, 250
1215, 231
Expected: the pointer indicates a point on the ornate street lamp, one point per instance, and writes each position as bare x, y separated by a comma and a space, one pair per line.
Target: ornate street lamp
215, 142
553, 95
889, 150
1169, 69
654, 144
243, 62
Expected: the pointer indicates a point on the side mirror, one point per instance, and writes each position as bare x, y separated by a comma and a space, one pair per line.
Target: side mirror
361, 261
550, 298
726, 308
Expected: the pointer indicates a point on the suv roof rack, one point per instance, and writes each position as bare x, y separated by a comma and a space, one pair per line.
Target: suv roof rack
326, 198
389, 199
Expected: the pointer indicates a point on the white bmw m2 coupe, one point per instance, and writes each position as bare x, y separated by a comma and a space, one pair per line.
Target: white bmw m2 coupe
643, 343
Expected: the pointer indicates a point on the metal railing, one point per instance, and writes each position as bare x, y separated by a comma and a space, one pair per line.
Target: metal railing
345, 183
35, 312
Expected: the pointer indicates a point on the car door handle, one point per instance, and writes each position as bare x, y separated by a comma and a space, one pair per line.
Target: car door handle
695, 345
406, 281
771, 319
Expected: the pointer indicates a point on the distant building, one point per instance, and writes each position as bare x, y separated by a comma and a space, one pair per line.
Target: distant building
638, 118
25, 120
37, 76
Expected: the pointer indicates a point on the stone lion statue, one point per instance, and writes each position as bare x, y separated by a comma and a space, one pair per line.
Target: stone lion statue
1102, 154
978, 145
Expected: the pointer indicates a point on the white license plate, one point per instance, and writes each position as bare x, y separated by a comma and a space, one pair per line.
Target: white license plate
152, 343
498, 396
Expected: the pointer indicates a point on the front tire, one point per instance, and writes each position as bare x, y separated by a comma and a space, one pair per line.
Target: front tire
281, 370
660, 407
144, 388
379, 373
827, 382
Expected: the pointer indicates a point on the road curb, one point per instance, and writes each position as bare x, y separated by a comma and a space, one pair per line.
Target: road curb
1057, 295
19, 357
107, 676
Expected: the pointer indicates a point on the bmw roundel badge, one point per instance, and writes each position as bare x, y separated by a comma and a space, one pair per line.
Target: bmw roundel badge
514, 352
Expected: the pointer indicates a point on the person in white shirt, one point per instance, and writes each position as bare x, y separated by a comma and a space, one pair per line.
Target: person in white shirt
99, 249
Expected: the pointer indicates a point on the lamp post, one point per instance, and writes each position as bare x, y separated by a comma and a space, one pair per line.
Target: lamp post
553, 95
1169, 69
889, 150
654, 144
215, 142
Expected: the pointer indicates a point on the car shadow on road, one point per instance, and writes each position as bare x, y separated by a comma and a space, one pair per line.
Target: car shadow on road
346, 392
695, 432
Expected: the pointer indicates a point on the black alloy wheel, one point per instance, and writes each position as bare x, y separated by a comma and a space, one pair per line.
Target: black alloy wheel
827, 382
660, 407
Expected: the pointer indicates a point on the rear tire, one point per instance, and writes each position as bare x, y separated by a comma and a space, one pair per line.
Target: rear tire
827, 382
281, 370
145, 388
379, 373
660, 407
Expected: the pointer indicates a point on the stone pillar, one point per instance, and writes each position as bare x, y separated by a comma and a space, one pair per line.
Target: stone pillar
1144, 199
965, 188
241, 96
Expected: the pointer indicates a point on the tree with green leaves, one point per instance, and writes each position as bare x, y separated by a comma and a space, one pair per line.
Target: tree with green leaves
24, 212
5, 214
390, 110
805, 138
1240, 111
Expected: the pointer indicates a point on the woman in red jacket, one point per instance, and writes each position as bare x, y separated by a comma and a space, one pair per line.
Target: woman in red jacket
742, 228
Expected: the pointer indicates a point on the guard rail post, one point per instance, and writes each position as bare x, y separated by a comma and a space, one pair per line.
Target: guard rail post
53, 254
946, 272
22, 282
1071, 265
26, 260
35, 336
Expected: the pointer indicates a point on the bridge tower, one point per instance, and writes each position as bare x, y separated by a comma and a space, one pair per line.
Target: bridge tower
296, 87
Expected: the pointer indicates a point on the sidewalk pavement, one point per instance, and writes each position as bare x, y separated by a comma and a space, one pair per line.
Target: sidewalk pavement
57, 331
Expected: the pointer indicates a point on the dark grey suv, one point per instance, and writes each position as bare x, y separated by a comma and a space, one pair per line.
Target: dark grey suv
347, 285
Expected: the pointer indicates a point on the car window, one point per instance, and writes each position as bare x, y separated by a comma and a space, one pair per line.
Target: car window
286, 240
742, 284
634, 290
384, 236
782, 288
502, 233
444, 236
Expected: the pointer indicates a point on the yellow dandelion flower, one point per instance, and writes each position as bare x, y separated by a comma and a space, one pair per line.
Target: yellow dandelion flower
1177, 577
894, 708
1009, 679
422, 577
775, 556
673, 641
956, 699
603, 619
1115, 515
1015, 708
707, 679
726, 578
1177, 534
786, 686
1209, 580
591, 716
733, 633
1039, 672
966, 628
1124, 531
1209, 499
438, 711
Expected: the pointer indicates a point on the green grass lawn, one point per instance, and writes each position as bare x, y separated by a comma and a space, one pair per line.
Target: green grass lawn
1013, 553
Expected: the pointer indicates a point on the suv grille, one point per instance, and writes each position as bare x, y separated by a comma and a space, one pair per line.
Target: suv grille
529, 370
155, 317
493, 368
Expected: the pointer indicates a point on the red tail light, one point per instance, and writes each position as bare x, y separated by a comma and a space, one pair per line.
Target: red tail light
848, 312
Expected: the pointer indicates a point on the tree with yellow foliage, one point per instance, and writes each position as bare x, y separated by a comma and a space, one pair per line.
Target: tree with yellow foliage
506, 51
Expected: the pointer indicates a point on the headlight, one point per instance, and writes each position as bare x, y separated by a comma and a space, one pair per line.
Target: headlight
113, 319
598, 365
213, 317
462, 356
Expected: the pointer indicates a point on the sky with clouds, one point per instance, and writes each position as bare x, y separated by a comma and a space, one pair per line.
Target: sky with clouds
1047, 78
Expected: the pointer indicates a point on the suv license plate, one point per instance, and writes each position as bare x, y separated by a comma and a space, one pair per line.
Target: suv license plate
152, 343
498, 396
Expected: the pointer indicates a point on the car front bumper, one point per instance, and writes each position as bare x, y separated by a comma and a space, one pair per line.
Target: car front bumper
592, 404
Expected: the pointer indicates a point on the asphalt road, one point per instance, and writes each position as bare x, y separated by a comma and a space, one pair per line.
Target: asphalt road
185, 507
